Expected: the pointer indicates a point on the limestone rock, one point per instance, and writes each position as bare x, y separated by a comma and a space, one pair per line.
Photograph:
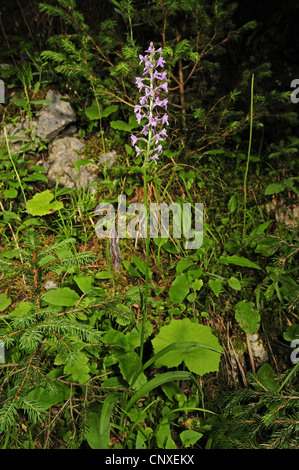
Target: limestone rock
63, 154
54, 117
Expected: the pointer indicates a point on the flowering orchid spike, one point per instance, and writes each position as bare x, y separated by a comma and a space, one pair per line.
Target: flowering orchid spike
152, 83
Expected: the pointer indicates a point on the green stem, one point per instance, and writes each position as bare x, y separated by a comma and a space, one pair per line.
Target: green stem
248, 155
145, 299
293, 370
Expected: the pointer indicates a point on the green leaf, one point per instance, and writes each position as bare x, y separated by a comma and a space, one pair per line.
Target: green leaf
125, 126
190, 437
4, 302
157, 381
41, 204
81, 162
78, 369
179, 288
63, 296
48, 398
274, 188
131, 268
141, 265
292, 332
21, 309
163, 436
247, 316
266, 376
10, 193
128, 364
38, 168
239, 261
36, 176
259, 229
232, 204
160, 241
183, 264
92, 111
97, 432
199, 360
84, 282
215, 285
234, 283
20, 102
103, 275
197, 284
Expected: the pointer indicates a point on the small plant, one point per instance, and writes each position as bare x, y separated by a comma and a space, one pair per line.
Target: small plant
49, 327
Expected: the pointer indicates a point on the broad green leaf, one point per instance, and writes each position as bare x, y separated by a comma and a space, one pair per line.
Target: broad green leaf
183, 264
163, 436
215, 285
266, 376
63, 296
247, 316
41, 204
21, 309
238, 261
8, 216
190, 437
92, 111
36, 176
122, 343
131, 269
103, 275
274, 188
39, 168
47, 398
191, 297
11, 193
170, 389
141, 439
234, 283
4, 302
197, 284
128, 364
179, 288
125, 126
97, 432
199, 360
292, 332
84, 282
141, 265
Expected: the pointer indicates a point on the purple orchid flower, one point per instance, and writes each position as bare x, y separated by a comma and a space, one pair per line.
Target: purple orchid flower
153, 83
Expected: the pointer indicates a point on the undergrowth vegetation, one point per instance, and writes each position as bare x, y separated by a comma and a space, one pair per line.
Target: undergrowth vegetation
143, 343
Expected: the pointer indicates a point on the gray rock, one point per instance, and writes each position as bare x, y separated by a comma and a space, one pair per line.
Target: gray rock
51, 120
63, 154
54, 117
